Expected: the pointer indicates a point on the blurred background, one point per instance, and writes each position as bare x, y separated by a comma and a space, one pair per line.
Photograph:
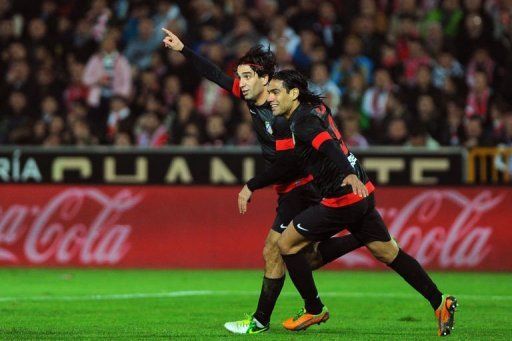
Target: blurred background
395, 72
422, 90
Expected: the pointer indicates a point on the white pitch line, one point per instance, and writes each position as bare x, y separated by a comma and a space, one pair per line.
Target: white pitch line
171, 294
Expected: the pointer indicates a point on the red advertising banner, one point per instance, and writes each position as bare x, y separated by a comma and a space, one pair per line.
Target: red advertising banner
199, 227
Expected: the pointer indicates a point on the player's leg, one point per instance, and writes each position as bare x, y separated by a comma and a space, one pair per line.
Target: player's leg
273, 281
317, 254
321, 253
374, 231
316, 223
414, 274
314, 312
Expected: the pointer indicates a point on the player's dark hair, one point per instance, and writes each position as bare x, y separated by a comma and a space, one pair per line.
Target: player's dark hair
261, 60
294, 79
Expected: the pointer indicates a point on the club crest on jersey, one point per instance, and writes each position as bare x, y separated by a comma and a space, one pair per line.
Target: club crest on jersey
268, 126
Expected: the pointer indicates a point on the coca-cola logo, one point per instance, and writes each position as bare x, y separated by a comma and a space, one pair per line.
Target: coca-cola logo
76, 224
438, 226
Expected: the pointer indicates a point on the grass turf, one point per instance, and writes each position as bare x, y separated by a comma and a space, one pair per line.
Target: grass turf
155, 304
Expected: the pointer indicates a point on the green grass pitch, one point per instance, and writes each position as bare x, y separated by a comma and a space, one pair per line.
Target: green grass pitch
193, 305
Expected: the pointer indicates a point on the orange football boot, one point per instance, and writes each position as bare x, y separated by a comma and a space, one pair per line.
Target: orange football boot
445, 315
304, 320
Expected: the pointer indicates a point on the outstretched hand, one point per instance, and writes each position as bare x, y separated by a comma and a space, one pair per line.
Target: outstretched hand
172, 41
243, 198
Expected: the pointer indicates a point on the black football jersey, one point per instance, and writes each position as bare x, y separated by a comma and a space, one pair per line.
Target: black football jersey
310, 127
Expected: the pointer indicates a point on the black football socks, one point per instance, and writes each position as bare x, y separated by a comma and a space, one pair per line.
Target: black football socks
270, 290
414, 274
302, 278
335, 247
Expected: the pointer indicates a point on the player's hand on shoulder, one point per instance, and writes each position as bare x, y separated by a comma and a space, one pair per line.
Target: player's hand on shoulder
172, 41
357, 186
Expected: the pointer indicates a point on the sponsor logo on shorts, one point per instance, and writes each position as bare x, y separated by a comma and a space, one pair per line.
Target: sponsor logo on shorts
283, 226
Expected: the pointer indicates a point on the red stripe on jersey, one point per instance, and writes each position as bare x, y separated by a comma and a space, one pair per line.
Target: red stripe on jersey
334, 128
285, 188
338, 135
320, 138
284, 144
346, 199
235, 90
344, 148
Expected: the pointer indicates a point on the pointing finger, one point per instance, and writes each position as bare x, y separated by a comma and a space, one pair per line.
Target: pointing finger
167, 31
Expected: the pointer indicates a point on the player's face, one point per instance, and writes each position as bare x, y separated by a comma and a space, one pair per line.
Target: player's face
279, 98
251, 85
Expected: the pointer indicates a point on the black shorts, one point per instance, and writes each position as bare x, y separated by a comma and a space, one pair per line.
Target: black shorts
292, 203
320, 222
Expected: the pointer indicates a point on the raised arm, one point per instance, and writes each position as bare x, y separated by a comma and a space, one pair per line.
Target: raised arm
203, 66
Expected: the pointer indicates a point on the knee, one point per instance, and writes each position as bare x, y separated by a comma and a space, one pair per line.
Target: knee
271, 252
386, 253
283, 246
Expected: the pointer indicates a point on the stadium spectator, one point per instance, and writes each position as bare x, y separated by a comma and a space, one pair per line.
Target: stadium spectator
215, 134
419, 137
39, 132
150, 132
244, 135
480, 61
428, 115
304, 54
376, 97
81, 134
75, 90
122, 139
505, 137
16, 127
49, 109
397, 132
139, 50
446, 66
475, 133
351, 132
329, 27
185, 114
107, 74
479, 98
449, 14
452, 127
321, 84
57, 133
119, 113
350, 62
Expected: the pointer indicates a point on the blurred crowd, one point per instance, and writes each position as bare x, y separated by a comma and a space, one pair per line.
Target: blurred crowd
395, 72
